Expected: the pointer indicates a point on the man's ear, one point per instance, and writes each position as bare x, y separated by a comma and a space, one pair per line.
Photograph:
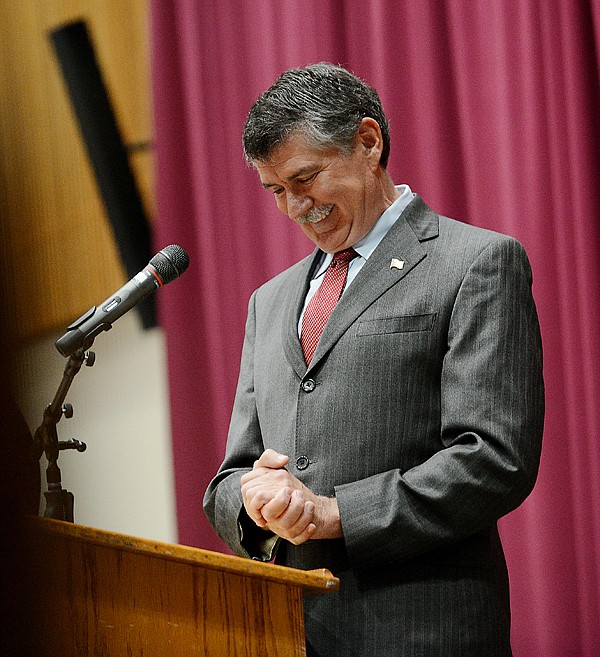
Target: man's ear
370, 139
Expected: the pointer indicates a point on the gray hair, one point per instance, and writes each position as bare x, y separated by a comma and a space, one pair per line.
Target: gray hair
323, 101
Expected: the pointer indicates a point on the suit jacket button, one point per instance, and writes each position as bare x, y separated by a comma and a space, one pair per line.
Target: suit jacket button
302, 462
308, 385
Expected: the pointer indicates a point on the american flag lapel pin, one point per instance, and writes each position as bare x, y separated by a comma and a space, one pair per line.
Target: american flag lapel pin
396, 264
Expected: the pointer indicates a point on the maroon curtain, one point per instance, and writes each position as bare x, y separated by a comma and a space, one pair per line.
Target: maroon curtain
494, 108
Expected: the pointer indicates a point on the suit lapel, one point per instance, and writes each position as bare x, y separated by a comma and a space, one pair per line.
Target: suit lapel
416, 224
403, 242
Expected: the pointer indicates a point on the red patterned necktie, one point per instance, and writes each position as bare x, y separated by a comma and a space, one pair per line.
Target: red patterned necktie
323, 302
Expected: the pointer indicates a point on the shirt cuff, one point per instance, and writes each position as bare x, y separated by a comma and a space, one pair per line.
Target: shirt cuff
259, 544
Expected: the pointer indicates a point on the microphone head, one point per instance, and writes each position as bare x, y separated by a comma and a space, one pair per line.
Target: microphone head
170, 262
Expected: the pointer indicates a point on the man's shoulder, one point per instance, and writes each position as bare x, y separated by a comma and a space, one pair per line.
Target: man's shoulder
455, 238
461, 230
426, 222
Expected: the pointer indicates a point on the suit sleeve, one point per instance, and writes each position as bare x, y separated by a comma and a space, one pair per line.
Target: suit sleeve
492, 407
223, 503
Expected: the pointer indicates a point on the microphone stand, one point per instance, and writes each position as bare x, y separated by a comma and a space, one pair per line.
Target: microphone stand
59, 502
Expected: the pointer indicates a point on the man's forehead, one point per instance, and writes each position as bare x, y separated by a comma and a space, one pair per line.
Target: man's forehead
293, 158
295, 145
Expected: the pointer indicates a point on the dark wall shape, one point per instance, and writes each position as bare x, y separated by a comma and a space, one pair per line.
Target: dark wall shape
107, 152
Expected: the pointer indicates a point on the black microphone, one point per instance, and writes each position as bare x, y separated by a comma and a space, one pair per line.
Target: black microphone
167, 265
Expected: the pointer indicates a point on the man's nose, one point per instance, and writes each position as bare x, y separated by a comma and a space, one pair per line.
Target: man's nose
297, 205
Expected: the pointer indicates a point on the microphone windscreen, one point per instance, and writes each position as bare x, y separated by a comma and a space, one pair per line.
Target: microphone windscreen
170, 262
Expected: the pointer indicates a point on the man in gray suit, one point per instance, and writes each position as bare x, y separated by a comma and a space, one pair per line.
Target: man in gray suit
387, 447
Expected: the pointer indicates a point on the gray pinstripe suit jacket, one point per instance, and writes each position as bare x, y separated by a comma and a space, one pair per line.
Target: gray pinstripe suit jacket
422, 412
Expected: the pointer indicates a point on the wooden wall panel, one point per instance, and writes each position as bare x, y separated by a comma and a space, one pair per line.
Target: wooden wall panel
57, 252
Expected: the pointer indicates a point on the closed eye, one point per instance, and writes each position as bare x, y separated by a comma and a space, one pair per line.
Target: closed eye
308, 179
305, 180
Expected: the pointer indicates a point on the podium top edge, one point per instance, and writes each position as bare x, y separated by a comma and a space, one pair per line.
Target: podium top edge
320, 580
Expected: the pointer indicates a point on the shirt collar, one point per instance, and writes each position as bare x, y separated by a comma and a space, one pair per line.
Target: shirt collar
371, 240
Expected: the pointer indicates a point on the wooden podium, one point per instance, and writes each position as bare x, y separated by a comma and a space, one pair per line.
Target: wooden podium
98, 593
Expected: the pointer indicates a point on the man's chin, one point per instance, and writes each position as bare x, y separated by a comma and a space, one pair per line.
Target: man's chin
326, 225
330, 242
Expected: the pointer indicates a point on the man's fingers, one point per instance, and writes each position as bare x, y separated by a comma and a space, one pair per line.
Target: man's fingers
264, 478
255, 498
304, 527
275, 499
299, 531
285, 508
256, 473
271, 491
249, 476
304, 536
271, 459
268, 461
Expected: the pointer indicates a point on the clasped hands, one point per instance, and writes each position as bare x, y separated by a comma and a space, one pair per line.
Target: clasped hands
276, 500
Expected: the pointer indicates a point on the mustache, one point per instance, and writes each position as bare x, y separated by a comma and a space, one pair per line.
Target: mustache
315, 214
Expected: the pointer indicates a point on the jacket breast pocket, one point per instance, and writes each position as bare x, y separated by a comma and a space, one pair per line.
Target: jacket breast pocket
400, 324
